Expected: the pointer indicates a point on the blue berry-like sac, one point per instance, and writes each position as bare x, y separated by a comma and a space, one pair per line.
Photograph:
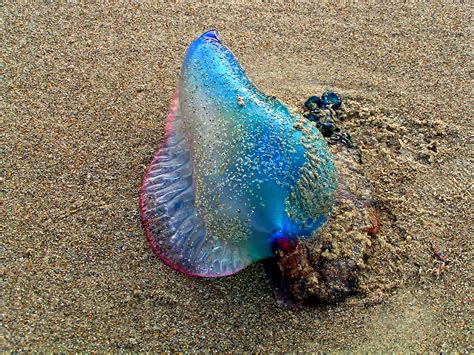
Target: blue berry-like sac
313, 116
313, 102
326, 128
332, 100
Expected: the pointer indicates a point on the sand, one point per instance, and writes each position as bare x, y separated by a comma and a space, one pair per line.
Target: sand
86, 89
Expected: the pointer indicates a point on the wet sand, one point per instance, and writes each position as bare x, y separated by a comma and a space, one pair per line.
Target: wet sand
87, 88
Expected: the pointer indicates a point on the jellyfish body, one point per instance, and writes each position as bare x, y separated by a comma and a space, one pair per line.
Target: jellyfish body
235, 172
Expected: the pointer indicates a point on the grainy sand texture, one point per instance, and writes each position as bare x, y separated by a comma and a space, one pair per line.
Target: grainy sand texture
85, 90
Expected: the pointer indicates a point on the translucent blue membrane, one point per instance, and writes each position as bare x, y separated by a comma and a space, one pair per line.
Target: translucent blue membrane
235, 170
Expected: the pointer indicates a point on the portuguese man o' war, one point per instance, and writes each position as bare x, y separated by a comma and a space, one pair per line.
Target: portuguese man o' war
236, 174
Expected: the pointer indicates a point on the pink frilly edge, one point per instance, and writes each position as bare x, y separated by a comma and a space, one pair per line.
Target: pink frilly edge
170, 117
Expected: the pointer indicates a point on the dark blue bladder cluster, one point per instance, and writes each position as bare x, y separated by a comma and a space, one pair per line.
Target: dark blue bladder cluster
321, 110
328, 100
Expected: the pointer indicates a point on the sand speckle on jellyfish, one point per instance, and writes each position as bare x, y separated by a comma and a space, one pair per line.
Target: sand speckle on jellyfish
236, 170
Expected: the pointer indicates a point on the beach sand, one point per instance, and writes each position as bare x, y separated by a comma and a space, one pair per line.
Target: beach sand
87, 87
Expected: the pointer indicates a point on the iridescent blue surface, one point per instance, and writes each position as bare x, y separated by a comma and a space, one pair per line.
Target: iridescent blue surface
236, 170
331, 99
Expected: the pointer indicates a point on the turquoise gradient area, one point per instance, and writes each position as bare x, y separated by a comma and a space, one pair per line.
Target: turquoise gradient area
236, 171
215, 97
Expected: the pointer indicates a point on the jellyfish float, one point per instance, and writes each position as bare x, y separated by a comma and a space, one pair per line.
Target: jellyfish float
237, 175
